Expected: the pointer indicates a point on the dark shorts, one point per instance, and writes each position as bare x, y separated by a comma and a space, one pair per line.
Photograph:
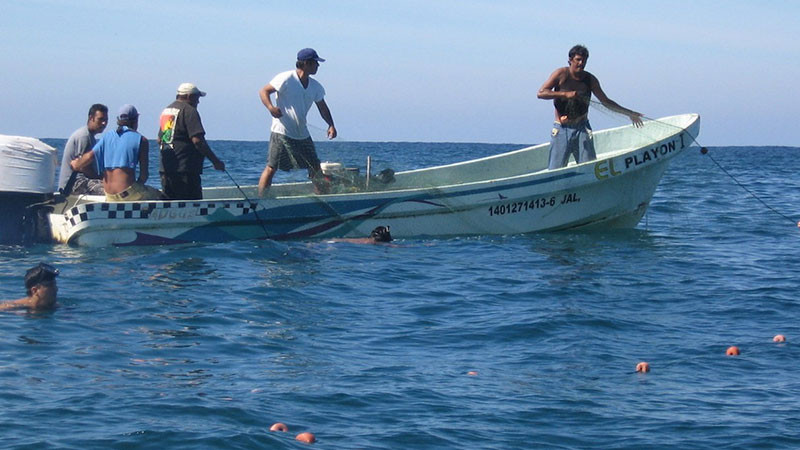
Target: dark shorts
286, 153
88, 186
181, 186
571, 140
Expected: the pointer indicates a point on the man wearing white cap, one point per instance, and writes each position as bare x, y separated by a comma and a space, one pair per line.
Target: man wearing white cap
290, 144
181, 138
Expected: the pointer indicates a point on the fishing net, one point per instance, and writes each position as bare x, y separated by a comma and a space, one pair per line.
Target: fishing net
605, 118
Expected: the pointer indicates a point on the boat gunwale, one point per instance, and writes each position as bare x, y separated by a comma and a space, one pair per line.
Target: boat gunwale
393, 192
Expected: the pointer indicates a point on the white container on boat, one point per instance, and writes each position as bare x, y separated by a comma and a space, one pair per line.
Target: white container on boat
26, 165
330, 168
27, 177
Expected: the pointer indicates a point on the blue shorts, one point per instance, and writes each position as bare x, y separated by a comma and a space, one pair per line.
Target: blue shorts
575, 140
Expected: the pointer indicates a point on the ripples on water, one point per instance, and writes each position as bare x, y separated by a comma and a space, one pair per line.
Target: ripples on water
369, 346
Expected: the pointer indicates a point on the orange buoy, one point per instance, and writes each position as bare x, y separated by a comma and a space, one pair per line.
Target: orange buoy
732, 351
306, 437
279, 427
643, 367
472, 373
779, 338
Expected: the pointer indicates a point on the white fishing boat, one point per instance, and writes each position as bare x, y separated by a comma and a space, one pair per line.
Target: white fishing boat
503, 194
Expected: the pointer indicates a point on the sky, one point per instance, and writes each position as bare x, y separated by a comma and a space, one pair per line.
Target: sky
405, 70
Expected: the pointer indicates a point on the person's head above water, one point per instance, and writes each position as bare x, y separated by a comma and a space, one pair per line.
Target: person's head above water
41, 289
381, 234
41, 274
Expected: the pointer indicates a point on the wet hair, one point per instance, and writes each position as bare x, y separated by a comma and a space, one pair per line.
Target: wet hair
381, 234
97, 107
579, 50
39, 274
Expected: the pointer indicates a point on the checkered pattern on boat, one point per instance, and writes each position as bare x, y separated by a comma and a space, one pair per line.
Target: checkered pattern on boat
143, 210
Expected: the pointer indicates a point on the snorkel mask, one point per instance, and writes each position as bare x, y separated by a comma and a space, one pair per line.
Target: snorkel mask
381, 234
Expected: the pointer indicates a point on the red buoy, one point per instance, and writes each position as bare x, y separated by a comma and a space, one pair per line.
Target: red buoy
306, 437
732, 351
279, 427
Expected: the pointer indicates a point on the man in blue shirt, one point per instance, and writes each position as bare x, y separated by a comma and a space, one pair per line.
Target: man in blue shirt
117, 155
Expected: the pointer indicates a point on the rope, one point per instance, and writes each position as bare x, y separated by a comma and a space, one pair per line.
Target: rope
252, 205
704, 151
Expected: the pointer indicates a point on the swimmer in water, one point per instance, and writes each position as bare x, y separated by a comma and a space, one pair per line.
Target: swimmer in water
379, 235
41, 287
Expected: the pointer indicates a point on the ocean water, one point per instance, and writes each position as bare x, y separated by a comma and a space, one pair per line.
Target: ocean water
496, 342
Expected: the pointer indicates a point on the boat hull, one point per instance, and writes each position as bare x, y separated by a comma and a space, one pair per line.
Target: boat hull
610, 192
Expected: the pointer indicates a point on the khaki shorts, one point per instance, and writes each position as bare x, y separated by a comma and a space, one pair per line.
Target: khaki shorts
134, 192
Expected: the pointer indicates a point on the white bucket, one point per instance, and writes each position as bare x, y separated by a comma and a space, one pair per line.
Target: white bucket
330, 168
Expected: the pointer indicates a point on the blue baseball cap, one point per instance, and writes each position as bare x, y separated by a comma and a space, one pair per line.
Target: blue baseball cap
307, 54
127, 112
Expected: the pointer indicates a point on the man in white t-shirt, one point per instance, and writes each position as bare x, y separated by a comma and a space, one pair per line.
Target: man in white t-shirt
290, 144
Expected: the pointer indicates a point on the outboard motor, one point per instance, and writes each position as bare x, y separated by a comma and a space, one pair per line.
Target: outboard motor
27, 178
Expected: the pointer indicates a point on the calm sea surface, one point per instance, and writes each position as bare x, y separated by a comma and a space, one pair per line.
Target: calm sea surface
206, 346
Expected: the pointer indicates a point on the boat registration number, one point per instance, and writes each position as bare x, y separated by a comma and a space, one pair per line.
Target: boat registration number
518, 207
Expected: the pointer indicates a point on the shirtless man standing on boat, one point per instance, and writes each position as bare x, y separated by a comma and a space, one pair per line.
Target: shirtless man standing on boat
571, 90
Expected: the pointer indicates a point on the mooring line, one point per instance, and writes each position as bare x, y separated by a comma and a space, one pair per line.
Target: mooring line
704, 151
